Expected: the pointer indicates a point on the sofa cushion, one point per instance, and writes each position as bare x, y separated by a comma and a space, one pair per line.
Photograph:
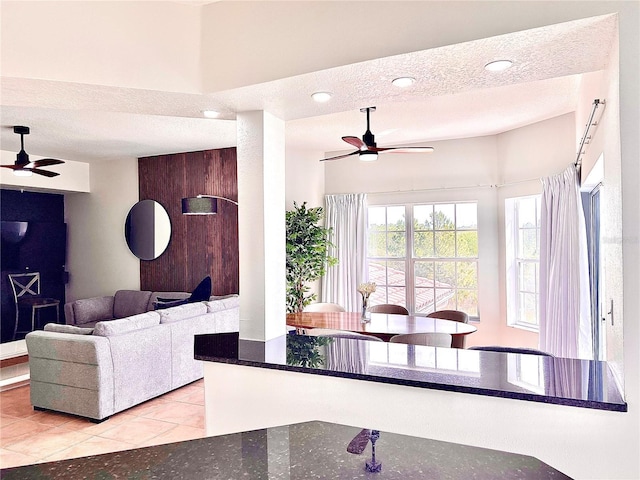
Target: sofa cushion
175, 314
93, 309
130, 302
222, 303
129, 324
54, 327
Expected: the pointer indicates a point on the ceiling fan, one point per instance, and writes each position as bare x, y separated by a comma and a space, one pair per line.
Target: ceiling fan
25, 168
367, 148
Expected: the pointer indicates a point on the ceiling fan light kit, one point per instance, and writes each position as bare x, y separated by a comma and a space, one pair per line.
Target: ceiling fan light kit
367, 149
23, 167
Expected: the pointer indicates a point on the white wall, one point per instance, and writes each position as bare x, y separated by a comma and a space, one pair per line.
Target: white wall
98, 259
103, 43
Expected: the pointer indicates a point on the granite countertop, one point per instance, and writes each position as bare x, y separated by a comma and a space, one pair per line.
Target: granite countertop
562, 381
310, 450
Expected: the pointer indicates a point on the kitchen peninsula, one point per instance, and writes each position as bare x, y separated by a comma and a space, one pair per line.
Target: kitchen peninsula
526, 404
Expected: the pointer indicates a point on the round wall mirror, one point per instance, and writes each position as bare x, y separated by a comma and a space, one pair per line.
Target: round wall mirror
147, 229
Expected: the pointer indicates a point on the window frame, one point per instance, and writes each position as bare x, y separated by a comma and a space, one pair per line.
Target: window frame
514, 262
410, 260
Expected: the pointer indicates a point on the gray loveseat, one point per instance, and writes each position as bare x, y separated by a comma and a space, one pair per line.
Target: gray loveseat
88, 311
96, 372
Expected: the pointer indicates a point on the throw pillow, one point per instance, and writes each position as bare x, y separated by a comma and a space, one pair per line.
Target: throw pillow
202, 292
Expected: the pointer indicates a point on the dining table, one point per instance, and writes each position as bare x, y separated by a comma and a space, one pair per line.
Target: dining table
381, 325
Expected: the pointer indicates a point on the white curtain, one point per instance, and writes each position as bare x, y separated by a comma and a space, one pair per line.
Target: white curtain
347, 216
565, 303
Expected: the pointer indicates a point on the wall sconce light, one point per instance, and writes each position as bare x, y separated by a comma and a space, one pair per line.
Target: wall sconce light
203, 204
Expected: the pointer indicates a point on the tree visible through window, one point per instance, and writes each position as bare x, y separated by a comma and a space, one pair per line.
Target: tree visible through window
425, 257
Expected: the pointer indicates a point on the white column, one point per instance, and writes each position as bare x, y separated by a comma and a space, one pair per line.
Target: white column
261, 225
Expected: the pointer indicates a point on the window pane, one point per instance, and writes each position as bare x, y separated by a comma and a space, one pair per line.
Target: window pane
376, 217
528, 303
528, 243
424, 274
377, 272
528, 277
396, 244
445, 244
379, 296
445, 299
527, 212
423, 217
423, 244
396, 273
397, 296
445, 274
443, 217
395, 218
467, 216
468, 302
425, 300
467, 244
377, 244
467, 274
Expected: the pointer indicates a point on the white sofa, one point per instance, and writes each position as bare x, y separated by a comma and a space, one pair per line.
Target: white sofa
96, 372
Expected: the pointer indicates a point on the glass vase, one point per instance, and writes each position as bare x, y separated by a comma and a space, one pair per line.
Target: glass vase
366, 314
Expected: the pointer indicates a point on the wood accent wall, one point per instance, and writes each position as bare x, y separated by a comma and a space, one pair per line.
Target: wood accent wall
200, 245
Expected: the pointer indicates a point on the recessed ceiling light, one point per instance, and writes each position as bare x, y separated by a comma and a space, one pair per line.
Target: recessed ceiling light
210, 114
498, 65
321, 97
403, 82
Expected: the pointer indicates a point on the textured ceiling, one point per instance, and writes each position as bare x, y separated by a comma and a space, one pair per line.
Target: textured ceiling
453, 97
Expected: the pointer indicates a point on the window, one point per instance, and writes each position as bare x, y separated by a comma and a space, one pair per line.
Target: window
425, 256
522, 216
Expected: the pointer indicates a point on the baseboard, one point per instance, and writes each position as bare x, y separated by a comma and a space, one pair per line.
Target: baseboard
14, 382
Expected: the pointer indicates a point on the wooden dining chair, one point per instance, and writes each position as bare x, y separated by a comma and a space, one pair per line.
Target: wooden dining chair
430, 339
455, 316
26, 294
323, 307
389, 308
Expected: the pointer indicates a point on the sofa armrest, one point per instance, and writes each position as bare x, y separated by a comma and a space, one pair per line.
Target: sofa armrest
71, 373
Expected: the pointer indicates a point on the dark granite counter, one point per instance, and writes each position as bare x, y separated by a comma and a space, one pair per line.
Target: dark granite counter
562, 381
311, 450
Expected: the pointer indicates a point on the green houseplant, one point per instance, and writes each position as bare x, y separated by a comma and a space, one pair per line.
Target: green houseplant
307, 254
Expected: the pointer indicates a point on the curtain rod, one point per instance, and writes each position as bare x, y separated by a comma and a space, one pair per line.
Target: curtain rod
596, 103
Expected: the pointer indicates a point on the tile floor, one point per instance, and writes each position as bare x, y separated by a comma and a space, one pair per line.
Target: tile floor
27, 436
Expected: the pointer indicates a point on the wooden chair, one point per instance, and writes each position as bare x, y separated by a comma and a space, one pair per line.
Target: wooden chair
429, 339
389, 308
456, 316
323, 307
26, 293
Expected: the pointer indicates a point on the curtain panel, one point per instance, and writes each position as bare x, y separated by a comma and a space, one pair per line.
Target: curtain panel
565, 303
346, 215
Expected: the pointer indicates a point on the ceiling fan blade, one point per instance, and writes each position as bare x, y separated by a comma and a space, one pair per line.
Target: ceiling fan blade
45, 162
44, 173
13, 167
355, 141
401, 149
341, 156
